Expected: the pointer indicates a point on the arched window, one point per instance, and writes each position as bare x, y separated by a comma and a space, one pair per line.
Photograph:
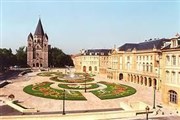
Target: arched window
90, 68
173, 97
84, 68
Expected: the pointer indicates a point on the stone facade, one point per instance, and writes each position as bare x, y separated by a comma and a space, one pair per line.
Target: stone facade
143, 63
89, 61
37, 48
171, 73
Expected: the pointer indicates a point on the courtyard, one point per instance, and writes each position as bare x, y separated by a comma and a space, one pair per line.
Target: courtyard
99, 96
93, 99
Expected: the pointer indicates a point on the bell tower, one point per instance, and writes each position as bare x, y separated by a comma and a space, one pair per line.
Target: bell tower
37, 48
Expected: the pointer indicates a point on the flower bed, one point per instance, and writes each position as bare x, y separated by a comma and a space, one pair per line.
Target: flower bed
114, 91
72, 81
79, 86
44, 90
49, 74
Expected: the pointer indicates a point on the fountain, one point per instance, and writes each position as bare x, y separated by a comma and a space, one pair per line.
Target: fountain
70, 75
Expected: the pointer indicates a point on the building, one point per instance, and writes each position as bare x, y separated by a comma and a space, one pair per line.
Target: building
141, 62
171, 73
89, 61
152, 63
37, 48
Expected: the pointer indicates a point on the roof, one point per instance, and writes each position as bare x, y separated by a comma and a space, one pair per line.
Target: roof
39, 29
147, 45
97, 51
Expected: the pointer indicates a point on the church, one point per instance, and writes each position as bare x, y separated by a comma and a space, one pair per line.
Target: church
37, 48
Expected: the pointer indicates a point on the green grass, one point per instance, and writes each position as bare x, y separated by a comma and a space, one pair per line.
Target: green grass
76, 87
114, 91
44, 90
72, 81
49, 74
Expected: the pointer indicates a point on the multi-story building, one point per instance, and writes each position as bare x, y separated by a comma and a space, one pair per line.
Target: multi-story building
37, 48
138, 63
171, 73
153, 63
77, 62
89, 61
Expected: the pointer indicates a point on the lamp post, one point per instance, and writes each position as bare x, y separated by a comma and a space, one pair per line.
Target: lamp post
85, 83
154, 98
147, 111
64, 102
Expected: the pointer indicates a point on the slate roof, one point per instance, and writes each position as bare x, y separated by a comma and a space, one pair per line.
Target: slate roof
97, 51
147, 45
39, 29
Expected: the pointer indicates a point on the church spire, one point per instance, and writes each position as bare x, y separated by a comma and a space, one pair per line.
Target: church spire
39, 29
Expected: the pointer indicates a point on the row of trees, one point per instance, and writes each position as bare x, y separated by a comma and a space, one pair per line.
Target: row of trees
7, 58
57, 58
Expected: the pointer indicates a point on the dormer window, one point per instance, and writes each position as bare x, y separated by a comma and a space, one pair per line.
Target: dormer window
174, 43
178, 41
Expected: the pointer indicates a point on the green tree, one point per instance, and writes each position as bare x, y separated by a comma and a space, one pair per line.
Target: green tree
6, 58
57, 58
21, 56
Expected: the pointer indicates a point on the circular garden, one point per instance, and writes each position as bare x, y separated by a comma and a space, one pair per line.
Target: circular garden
74, 87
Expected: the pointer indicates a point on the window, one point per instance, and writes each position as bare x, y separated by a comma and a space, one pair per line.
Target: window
173, 77
167, 60
128, 65
179, 78
90, 68
174, 60
173, 97
128, 58
95, 68
167, 76
143, 67
147, 67
151, 68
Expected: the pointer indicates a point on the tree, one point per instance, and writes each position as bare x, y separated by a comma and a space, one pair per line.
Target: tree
21, 56
6, 58
57, 58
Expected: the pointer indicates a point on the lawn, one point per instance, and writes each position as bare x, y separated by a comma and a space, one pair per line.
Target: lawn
79, 86
50, 74
44, 90
73, 80
114, 90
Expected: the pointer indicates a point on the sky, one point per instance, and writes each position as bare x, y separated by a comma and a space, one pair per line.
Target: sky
86, 24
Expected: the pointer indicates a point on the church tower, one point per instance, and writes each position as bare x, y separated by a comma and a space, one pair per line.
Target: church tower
37, 48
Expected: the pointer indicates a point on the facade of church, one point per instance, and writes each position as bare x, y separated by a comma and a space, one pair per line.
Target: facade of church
37, 48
